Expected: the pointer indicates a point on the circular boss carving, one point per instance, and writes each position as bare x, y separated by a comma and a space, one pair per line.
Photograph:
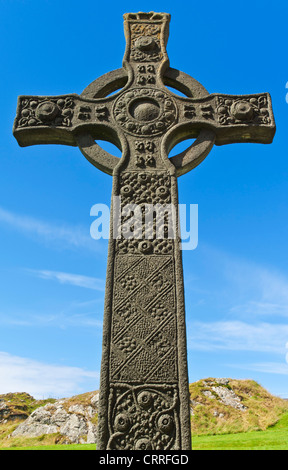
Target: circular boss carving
145, 111
145, 43
145, 246
143, 444
242, 110
47, 111
116, 79
122, 422
144, 399
165, 423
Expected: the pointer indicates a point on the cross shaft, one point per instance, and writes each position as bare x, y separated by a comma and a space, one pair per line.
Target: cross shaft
144, 395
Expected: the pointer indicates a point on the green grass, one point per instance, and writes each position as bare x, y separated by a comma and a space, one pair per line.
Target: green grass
274, 438
56, 447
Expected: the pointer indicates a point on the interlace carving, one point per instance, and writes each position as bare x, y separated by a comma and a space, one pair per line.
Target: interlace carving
143, 418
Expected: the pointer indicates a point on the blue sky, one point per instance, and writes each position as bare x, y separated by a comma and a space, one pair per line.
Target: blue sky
52, 274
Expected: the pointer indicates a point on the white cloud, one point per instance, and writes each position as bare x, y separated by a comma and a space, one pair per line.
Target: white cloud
20, 374
265, 288
249, 289
67, 318
266, 367
237, 336
73, 279
67, 236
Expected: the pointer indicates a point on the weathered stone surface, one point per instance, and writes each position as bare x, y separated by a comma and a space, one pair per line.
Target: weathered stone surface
220, 388
208, 393
74, 422
144, 396
228, 397
7, 415
17, 406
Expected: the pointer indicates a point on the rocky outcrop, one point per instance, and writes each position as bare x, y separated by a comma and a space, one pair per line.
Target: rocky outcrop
228, 397
73, 422
225, 406
7, 415
18, 406
220, 389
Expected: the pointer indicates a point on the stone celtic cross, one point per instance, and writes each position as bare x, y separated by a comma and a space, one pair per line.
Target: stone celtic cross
144, 396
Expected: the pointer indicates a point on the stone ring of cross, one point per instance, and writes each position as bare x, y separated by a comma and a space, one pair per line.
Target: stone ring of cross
143, 113
143, 107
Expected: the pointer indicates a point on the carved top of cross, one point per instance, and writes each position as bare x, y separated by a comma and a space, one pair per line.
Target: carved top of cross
144, 112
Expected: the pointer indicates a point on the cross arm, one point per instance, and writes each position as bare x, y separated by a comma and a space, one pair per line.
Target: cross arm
233, 118
58, 119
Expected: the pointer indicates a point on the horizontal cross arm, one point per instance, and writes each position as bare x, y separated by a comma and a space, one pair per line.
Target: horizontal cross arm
233, 118
57, 119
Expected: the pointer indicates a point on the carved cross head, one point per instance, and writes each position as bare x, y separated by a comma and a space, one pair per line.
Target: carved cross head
144, 118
